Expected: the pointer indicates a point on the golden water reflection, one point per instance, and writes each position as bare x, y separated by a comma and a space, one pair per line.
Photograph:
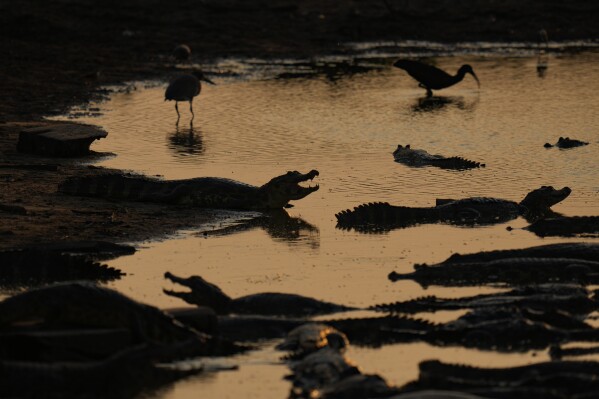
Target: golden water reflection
347, 129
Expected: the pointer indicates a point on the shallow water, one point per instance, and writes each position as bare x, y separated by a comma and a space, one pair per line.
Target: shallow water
253, 129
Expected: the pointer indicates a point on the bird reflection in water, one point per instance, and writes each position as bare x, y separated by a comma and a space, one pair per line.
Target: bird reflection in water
186, 141
542, 59
279, 225
439, 103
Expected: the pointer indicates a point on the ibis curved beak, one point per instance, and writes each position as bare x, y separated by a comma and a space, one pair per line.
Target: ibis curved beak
475, 78
205, 79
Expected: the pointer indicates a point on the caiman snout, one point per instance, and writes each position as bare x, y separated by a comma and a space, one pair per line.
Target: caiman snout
285, 188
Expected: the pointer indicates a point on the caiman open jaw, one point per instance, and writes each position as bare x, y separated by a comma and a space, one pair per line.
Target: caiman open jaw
202, 292
286, 187
299, 192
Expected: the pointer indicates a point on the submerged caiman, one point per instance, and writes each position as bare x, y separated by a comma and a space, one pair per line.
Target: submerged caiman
411, 157
468, 211
203, 192
566, 142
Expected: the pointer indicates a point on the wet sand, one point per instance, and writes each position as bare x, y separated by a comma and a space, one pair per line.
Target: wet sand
58, 54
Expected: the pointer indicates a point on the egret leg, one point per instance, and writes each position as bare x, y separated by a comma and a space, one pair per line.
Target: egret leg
191, 109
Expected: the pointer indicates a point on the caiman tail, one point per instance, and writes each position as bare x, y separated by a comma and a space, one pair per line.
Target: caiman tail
458, 163
381, 215
366, 214
109, 186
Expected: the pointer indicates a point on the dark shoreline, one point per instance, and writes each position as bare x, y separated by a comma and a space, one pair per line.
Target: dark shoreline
56, 52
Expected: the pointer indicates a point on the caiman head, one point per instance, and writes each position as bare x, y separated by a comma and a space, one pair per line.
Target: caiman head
542, 199
282, 189
202, 293
402, 151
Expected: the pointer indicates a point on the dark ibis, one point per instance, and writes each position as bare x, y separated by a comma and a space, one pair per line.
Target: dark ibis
431, 77
185, 88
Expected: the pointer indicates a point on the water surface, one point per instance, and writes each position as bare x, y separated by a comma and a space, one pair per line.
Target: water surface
252, 129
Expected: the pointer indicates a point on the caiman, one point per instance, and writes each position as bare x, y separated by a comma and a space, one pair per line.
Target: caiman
572, 250
317, 357
204, 293
202, 192
311, 337
468, 211
411, 157
557, 379
497, 328
123, 375
360, 386
566, 142
364, 331
558, 352
85, 305
511, 329
566, 226
21, 268
49, 262
517, 271
319, 369
571, 298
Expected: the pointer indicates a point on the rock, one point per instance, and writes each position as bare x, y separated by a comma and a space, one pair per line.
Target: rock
59, 139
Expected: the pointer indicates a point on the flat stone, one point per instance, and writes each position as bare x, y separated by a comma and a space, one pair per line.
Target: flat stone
59, 139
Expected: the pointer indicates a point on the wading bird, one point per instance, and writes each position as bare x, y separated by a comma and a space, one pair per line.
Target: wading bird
185, 88
431, 77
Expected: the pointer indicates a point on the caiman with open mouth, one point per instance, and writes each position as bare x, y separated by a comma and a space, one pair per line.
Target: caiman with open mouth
203, 192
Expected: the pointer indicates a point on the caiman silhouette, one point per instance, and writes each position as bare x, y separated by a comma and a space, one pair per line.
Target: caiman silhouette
566, 226
381, 216
545, 380
565, 297
202, 192
566, 142
204, 293
83, 305
553, 263
411, 157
